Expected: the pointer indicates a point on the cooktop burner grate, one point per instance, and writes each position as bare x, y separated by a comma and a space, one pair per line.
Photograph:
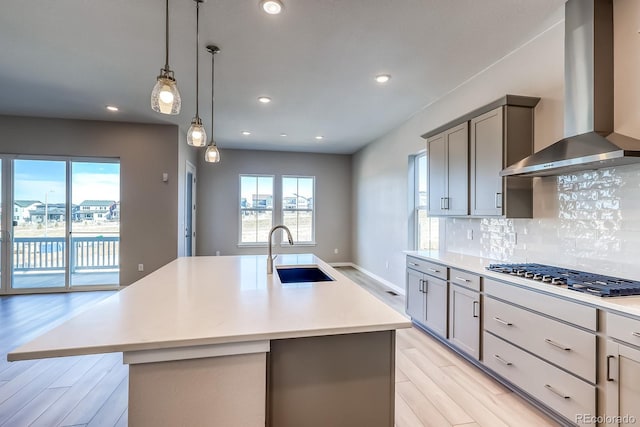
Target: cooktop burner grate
581, 281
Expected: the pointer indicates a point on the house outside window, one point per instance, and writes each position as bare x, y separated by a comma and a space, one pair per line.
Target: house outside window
298, 207
256, 208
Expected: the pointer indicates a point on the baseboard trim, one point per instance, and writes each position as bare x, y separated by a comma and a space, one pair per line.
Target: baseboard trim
392, 286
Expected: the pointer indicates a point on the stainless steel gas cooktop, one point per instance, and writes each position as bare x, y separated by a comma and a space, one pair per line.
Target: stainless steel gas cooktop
581, 281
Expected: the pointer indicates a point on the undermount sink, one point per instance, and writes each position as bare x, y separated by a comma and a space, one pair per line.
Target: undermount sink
302, 274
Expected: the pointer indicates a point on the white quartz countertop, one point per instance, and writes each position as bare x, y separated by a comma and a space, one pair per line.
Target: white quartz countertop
213, 300
627, 304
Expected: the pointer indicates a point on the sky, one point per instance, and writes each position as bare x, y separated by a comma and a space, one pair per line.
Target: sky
45, 179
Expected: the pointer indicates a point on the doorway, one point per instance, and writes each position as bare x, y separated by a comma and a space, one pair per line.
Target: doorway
190, 210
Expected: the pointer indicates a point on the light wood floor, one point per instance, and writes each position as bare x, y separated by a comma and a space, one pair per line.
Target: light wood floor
434, 386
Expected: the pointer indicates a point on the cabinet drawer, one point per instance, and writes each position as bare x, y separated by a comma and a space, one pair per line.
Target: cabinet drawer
553, 306
623, 328
555, 388
463, 278
564, 345
427, 267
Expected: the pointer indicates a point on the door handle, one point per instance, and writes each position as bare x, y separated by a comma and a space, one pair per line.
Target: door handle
609, 357
420, 285
446, 203
498, 200
476, 304
425, 288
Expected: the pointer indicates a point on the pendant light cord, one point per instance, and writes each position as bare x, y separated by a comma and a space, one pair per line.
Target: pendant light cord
197, 55
213, 54
166, 33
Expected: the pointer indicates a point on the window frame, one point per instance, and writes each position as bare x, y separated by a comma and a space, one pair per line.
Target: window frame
241, 210
311, 242
417, 207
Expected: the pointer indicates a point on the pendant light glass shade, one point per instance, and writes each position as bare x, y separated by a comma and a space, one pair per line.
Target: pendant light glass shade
165, 97
196, 135
212, 155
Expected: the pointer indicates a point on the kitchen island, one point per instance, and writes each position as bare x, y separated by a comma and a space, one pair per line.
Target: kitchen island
217, 341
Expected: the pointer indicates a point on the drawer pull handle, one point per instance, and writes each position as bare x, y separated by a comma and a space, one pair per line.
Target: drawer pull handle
609, 357
433, 270
636, 334
499, 320
555, 344
501, 360
414, 264
462, 279
556, 392
476, 304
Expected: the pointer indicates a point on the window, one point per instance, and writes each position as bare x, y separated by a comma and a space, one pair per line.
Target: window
426, 229
256, 208
298, 207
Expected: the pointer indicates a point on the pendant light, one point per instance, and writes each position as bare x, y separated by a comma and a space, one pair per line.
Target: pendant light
197, 136
165, 97
212, 155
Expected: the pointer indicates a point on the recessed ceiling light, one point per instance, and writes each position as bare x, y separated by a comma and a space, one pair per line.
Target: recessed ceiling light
283, 134
264, 99
319, 137
245, 133
272, 7
112, 108
383, 78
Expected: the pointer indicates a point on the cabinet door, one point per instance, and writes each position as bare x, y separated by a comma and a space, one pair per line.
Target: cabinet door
464, 319
486, 163
623, 383
457, 202
415, 295
436, 174
436, 304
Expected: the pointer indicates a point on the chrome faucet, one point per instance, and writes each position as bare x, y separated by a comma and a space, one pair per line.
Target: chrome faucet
270, 258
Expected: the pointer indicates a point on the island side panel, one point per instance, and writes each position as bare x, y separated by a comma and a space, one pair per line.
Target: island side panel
214, 391
337, 380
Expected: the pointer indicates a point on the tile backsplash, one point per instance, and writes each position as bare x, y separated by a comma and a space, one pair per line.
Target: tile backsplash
588, 220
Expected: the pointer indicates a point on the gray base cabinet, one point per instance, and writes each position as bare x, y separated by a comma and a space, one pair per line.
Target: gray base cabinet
622, 376
464, 319
427, 293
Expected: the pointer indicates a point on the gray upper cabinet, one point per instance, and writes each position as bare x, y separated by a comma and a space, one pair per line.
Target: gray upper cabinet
448, 172
499, 138
465, 158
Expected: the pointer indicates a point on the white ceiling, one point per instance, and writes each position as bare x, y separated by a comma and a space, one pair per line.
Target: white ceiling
317, 60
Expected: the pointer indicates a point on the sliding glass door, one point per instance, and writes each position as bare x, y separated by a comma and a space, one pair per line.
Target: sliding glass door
59, 224
95, 225
39, 223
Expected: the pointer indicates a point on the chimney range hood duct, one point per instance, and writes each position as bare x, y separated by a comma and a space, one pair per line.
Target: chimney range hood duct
588, 111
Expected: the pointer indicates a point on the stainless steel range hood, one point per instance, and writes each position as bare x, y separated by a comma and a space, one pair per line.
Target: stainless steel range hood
588, 111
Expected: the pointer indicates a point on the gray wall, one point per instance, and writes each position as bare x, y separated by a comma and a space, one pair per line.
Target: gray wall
380, 174
218, 204
149, 213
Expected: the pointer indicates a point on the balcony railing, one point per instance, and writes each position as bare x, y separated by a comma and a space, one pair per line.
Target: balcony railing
48, 253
